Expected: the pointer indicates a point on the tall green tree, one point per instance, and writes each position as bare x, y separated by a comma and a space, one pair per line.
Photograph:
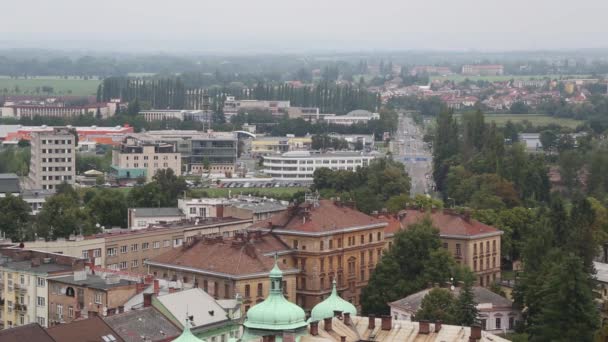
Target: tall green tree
465, 308
108, 208
437, 304
14, 217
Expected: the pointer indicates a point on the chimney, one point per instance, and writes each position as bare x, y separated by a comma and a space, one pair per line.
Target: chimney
268, 338
423, 327
437, 325
387, 322
172, 290
347, 320
475, 332
327, 323
338, 314
342, 338
111, 312
121, 309
314, 328
371, 322
148, 299
156, 287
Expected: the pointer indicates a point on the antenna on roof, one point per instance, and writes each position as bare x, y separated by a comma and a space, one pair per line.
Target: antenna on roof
312, 198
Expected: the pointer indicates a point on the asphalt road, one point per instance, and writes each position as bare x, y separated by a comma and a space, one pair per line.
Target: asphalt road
408, 148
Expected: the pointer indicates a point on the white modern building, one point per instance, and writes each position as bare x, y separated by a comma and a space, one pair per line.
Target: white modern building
141, 218
353, 117
176, 114
300, 165
202, 207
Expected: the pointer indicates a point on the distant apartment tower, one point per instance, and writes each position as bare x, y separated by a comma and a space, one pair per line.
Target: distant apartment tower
53, 159
138, 156
483, 69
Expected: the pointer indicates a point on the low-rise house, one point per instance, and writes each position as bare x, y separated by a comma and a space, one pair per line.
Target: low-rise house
206, 317
496, 313
91, 329
141, 218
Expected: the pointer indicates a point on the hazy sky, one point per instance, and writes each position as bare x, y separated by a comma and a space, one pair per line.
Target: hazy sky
284, 25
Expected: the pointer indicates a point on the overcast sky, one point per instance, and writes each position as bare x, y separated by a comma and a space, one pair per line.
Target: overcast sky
287, 25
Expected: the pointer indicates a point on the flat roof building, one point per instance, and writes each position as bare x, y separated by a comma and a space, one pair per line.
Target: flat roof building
300, 165
53, 159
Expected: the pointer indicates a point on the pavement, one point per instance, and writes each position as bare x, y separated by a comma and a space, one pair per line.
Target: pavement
409, 148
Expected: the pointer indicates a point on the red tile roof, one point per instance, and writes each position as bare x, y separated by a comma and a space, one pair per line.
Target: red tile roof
25, 333
91, 329
448, 223
235, 257
326, 216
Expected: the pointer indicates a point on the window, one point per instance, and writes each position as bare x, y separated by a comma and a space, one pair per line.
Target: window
483, 324
22, 279
98, 297
177, 242
166, 243
322, 264
134, 247
362, 274
41, 321
260, 290
40, 301
474, 249
122, 265
21, 319
295, 244
379, 236
59, 310
321, 245
322, 283
215, 289
70, 311
362, 256
156, 244
85, 254
41, 282
135, 263
145, 245
474, 265
111, 251
498, 322
331, 244
247, 291
458, 251
371, 257
511, 323
445, 245
487, 246
97, 252
226, 291
494, 246
371, 238
362, 239
123, 249
339, 242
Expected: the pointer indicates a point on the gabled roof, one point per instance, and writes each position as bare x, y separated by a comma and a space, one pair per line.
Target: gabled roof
449, 224
226, 257
148, 322
90, 329
25, 333
326, 216
196, 303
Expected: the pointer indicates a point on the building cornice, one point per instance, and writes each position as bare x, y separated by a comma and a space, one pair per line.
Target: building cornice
324, 233
219, 274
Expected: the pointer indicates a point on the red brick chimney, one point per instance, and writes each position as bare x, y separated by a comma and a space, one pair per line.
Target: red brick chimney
338, 313
148, 299
327, 324
475, 332
347, 321
314, 328
156, 287
121, 309
342, 338
269, 338
423, 327
438, 325
371, 322
387, 322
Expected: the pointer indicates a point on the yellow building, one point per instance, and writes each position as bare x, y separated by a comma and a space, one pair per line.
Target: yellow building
471, 242
24, 276
278, 145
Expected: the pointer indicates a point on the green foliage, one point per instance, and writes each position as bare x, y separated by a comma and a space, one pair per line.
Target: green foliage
86, 162
465, 309
108, 208
163, 191
15, 160
437, 304
414, 259
61, 216
14, 217
370, 187
324, 142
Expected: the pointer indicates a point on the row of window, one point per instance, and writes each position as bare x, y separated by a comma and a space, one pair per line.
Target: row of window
487, 247
57, 150
112, 251
352, 241
146, 157
57, 160
56, 168
57, 142
481, 263
96, 253
56, 178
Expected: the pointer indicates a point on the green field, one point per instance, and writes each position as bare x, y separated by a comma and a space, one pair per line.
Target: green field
61, 86
460, 78
534, 119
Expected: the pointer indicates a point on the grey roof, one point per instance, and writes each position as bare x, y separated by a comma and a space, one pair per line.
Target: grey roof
260, 207
481, 295
156, 212
147, 322
28, 332
9, 183
601, 271
92, 281
26, 266
194, 302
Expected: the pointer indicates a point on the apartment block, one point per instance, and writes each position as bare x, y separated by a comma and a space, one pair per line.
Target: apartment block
140, 157
53, 159
24, 278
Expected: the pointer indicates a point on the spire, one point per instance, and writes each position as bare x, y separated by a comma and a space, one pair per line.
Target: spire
334, 291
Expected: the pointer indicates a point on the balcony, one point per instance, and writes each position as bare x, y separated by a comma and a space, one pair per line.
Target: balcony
21, 307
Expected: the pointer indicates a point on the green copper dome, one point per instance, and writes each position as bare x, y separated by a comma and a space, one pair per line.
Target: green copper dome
187, 335
275, 312
326, 308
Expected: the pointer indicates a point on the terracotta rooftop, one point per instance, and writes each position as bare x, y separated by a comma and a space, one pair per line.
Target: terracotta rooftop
448, 223
91, 329
324, 216
241, 256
